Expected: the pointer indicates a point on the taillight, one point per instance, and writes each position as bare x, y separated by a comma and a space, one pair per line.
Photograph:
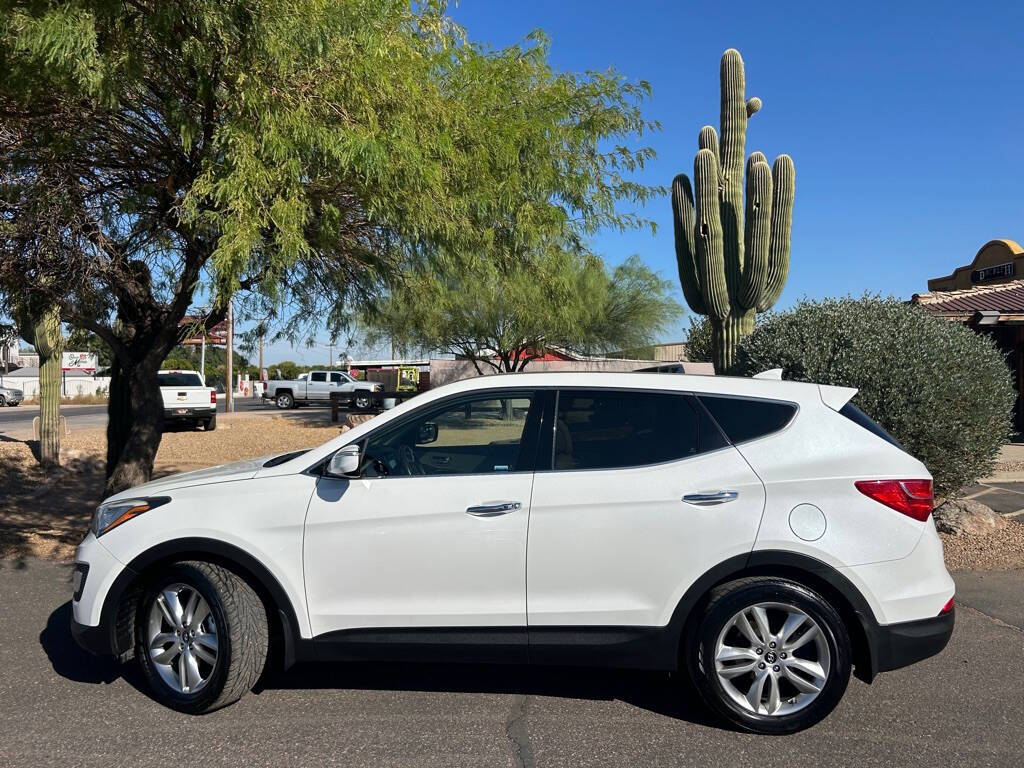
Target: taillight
213, 396
947, 607
911, 497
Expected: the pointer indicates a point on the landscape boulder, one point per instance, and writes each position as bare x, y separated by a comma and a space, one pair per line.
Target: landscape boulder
963, 517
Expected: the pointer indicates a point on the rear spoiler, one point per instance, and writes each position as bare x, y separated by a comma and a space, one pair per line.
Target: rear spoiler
836, 397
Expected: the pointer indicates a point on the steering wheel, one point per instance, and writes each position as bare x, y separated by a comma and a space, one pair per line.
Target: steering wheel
409, 463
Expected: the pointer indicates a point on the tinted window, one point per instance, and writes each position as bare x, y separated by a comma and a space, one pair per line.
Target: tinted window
318, 376
857, 416
743, 419
179, 380
336, 378
598, 429
473, 435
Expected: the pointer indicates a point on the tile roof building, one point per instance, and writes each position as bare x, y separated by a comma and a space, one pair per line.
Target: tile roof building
987, 295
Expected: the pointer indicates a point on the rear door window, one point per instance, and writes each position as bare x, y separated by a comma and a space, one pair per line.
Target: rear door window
607, 429
743, 418
319, 376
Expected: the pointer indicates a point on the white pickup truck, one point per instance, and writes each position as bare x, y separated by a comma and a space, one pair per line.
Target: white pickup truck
187, 398
317, 386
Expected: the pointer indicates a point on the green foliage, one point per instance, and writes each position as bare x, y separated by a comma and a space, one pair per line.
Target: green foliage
507, 314
732, 265
699, 345
942, 390
297, 154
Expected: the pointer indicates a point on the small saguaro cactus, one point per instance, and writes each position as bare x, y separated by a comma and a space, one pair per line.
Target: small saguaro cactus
49, 343
731, 267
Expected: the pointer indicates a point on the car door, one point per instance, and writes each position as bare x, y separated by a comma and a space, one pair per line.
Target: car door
643, 495
420, 542
318, 387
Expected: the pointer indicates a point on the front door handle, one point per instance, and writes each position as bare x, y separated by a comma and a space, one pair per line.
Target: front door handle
710, 498
494, 510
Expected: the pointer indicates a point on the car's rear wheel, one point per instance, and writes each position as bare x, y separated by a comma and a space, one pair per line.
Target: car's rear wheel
210, 424
3, 402
771, 655
284, 401
201, 637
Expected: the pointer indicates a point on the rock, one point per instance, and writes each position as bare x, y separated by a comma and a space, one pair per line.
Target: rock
963, 517
353, 420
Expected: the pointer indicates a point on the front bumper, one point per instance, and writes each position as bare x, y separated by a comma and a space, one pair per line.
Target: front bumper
95, 640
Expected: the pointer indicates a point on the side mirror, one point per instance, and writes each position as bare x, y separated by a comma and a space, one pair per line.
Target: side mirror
428, 433
345, 463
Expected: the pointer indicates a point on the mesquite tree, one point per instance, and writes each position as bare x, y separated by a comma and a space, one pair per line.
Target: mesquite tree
733, 260
295, 154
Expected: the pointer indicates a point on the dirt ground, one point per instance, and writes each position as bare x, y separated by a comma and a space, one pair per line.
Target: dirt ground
47, 516
44, 516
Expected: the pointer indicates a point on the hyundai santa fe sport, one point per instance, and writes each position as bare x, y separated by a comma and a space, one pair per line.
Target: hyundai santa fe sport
763, 537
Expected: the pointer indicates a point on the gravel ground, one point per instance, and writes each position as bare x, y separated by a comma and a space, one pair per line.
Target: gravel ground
1002, 550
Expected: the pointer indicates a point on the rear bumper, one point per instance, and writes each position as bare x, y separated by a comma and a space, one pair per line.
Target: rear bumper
188, 413
893, 646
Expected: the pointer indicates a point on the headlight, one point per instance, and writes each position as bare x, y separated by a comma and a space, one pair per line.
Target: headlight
111, 514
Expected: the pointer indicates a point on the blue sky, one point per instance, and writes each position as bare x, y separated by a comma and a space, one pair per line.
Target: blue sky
905, 121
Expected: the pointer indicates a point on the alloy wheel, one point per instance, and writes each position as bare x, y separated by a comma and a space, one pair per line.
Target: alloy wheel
772, 659
182, 638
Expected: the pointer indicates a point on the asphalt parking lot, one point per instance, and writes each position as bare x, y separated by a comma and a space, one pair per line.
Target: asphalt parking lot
62, 707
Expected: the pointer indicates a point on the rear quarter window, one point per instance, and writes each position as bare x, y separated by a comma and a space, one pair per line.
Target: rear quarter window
744, 419
857, 416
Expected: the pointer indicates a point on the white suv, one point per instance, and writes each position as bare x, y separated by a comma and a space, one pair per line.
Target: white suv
764, 535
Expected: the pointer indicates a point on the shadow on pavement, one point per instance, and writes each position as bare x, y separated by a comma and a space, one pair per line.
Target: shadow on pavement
656, 692
68, 660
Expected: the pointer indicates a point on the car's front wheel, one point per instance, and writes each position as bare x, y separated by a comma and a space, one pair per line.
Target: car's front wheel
771, 655
3, 402
363, 401
201, 637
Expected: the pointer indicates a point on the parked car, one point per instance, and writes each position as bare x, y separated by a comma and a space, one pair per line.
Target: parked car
10, 396
317, 386
764, 536
188, 399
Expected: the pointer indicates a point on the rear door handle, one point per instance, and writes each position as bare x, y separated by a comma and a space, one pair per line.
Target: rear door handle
494, 510
710, 498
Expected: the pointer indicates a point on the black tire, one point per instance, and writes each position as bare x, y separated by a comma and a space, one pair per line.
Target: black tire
3, 402
725, 603
210, 424
284, 401
242, 636
362, 401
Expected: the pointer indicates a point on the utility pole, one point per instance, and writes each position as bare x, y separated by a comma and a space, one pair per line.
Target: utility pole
261, 351
330, 355
202, 357
229, 400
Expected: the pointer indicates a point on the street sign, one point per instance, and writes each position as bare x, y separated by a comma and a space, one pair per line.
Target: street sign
217, 336
86, 362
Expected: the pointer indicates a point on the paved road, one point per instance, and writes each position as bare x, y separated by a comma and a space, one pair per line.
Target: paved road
61, 707
17, 422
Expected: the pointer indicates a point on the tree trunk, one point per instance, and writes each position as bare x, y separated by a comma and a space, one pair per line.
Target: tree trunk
725, 338
134, 428
49, 343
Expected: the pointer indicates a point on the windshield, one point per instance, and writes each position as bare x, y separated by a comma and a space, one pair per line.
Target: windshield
182, 379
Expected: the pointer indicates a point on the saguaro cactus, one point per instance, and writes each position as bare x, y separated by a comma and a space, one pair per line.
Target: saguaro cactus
49, 343
732, 267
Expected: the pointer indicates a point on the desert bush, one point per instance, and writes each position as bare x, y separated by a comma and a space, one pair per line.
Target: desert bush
698, 340
938, 387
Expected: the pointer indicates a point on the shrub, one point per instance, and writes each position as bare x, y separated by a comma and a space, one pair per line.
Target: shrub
941, 389
698, 340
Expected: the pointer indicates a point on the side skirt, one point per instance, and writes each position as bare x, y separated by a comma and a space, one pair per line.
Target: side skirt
625, 647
